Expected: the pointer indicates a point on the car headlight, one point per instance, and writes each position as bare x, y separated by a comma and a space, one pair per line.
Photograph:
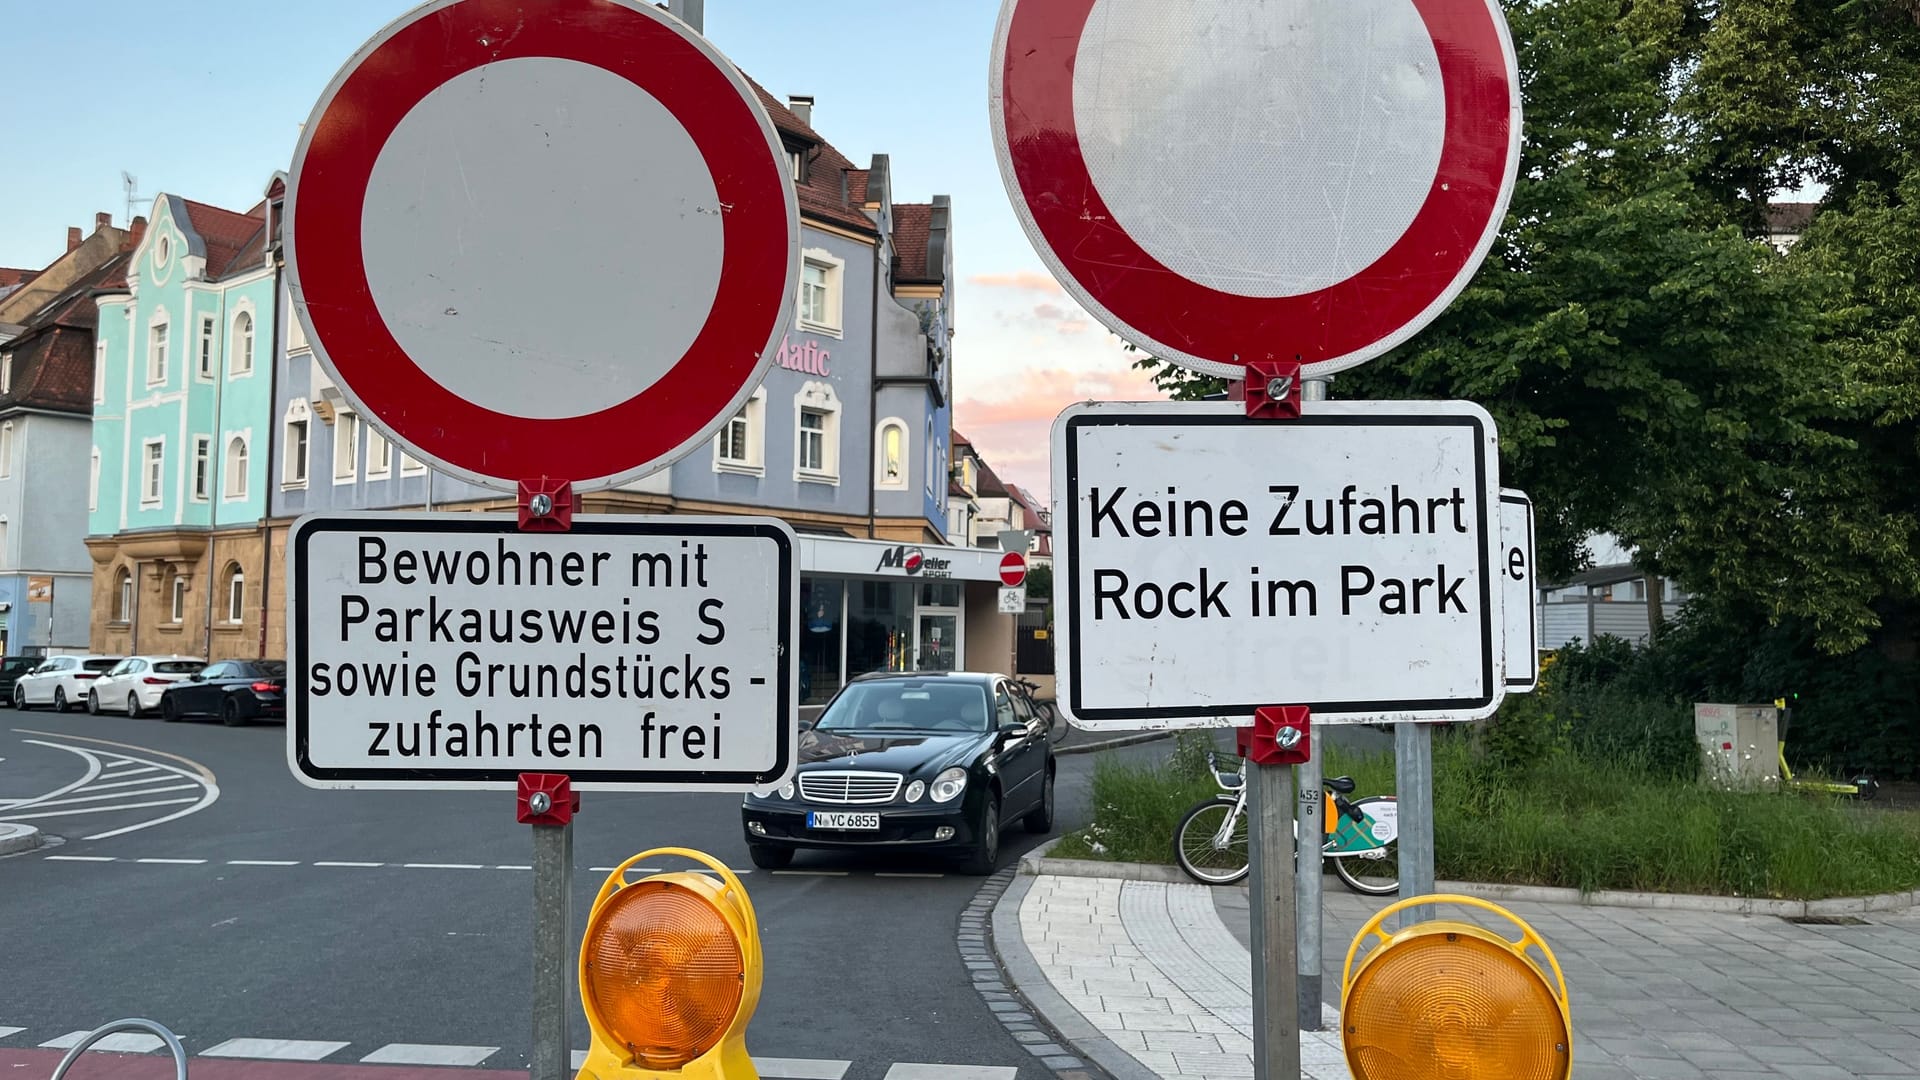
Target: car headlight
915, 790
949, 784
786, 790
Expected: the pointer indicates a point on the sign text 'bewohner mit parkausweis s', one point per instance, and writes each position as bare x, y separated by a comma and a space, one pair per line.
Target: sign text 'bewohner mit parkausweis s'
456, 651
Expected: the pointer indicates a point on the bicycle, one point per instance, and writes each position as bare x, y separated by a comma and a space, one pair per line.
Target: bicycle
1362, 836
1057, 727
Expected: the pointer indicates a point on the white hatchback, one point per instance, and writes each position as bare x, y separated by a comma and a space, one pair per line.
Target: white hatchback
60, 681
134, 685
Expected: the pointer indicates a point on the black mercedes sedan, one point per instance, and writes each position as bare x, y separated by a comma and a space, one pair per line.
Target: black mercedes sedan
236, 691
938, 762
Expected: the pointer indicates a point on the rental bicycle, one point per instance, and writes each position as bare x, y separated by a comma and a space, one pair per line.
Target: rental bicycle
1362, 835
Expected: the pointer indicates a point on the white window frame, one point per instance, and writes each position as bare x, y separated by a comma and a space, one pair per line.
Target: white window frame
379, 455
6, 372
754, 415
6, 449
818, 397
100, 373
234, 485
900, 480
123, 596
153, 471
178, 598
93, 481
202, 467
346, 441
293, 474
830, 320
410, 465
236, 597
159, 341
204, 365
240, 353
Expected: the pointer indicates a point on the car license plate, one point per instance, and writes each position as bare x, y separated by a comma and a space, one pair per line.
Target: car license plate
840, 819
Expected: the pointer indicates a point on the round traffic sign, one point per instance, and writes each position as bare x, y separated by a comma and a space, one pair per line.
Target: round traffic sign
1013, 568
552, 240
1220, 181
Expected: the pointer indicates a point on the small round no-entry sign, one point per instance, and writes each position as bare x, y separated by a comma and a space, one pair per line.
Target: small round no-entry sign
1222, 181
1013, 568
542, 239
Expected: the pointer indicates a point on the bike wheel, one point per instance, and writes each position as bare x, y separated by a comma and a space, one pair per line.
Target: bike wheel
1196, 852
1058, 730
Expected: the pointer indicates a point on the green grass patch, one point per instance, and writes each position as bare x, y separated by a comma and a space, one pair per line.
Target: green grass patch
1567, 817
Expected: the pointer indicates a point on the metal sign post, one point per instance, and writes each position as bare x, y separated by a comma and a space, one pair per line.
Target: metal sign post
548, 803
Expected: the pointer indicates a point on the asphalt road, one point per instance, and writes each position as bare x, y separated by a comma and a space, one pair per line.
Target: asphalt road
859, 967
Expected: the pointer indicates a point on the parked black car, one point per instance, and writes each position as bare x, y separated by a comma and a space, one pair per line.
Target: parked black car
236, 691
923, 761
11, 668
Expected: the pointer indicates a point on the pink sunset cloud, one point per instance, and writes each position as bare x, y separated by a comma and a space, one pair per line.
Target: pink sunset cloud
1012, 429
1018, 279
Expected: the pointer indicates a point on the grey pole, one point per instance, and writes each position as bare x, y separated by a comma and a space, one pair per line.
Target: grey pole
1310, 840
1276, 1037
1413, 765
552, 951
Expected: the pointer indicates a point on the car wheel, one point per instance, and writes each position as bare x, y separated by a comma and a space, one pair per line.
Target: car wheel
59, 699
169, 709
93, 703
20, 699
1040, 822
985, 856
133, 705
767, 857
230, 713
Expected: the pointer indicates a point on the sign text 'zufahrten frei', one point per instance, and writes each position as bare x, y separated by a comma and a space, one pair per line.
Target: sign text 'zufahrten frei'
456, 651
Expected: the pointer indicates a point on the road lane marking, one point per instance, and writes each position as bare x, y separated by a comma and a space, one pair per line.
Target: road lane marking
103, 810
120, 795
80, 858
128, 783
800, 1068
813, 873
274, 1049
355, 864
92, 773
6, 1031
908, 1070
193, 771
173, 862
205, 773
887, 873
513, 868
262, 862
442, 866
429, 1054
124, 1042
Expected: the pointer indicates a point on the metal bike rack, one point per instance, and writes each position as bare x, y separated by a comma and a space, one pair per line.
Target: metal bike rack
134, 1024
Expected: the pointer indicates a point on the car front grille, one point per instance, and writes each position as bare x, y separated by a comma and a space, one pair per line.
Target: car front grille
852, 788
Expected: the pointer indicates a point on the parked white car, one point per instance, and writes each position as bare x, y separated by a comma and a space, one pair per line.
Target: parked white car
134, 685
60, 681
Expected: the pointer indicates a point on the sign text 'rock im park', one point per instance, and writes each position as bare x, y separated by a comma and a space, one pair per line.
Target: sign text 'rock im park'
456, 651
1215, 564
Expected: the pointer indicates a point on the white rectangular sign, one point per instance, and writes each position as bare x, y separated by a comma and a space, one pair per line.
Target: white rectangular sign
1214, 564
1013, 599
1522, 596
454, 651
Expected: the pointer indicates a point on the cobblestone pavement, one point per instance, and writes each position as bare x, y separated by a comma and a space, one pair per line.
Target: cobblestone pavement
1162, 971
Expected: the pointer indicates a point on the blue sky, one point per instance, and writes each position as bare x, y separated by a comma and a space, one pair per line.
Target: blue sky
205, 98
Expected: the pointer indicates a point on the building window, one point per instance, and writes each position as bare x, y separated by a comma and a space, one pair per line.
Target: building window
6, 373
298, 417
737, 448
100, 373
890, 455
178, 591
733, 439
236, 593
410, 466
123, 596
6, 449
236, 486
162, 251
157, 353
155, 458
379, 455
346, 446
820, 274
206, 347
242, 360
93, 481
816, 454
202, 452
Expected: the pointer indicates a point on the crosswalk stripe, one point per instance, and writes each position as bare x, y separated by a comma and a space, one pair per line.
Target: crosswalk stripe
274, 1049
908, 1070
123, 1042
429, 1054
801, 1068
80, 858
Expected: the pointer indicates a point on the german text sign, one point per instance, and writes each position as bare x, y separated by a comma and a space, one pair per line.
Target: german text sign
1216, 564
1522, 596
451, 650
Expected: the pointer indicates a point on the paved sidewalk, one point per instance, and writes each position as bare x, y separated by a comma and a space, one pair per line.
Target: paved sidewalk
1161, 973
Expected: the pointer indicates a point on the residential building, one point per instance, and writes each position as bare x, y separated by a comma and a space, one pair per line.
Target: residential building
845, 439
182, 416
1038, 523
11, 279
46, 419
1786, 221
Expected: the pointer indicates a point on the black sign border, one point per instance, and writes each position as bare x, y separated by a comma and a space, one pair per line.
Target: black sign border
607, 779
1533, 600
1490, 691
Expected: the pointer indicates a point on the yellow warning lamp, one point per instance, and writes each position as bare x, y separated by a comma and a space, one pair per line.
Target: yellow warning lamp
1448, 1000
670, 972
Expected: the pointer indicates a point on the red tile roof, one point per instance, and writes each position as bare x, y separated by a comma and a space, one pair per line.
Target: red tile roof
1790, 217
911, 224
230, 238
53, 354
857, 186
10, 276
821, 197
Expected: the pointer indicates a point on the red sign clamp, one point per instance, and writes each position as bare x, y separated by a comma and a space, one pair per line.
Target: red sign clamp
1280, 735
547, 799
547, 505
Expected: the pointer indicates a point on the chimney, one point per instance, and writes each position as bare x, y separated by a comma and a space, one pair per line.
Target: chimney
73, 237
136, 231
102, 221
801, 105
691, 12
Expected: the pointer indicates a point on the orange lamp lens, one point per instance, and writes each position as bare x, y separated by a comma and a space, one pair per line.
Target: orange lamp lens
1450, 1006
664, 973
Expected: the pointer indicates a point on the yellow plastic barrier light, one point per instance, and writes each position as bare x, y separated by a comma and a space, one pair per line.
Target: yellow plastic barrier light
1449, 1000
670, 972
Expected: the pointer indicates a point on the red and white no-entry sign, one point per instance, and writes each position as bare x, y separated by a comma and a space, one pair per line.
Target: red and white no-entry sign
552, 239
1222, 181
1013, 569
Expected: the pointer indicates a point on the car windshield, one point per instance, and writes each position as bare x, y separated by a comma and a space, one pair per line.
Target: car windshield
14, 665
272, 669
908, 705
177, 667
101, 665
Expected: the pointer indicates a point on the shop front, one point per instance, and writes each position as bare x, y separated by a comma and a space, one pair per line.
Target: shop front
868, 605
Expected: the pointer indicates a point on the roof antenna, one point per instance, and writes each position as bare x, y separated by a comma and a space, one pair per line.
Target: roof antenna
132, 185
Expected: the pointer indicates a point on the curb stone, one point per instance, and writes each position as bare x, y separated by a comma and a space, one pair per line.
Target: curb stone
1036, 862
1109, 744
17, 838
1007, 992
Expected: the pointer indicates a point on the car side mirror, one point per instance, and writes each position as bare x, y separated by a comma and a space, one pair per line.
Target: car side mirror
1012, 727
